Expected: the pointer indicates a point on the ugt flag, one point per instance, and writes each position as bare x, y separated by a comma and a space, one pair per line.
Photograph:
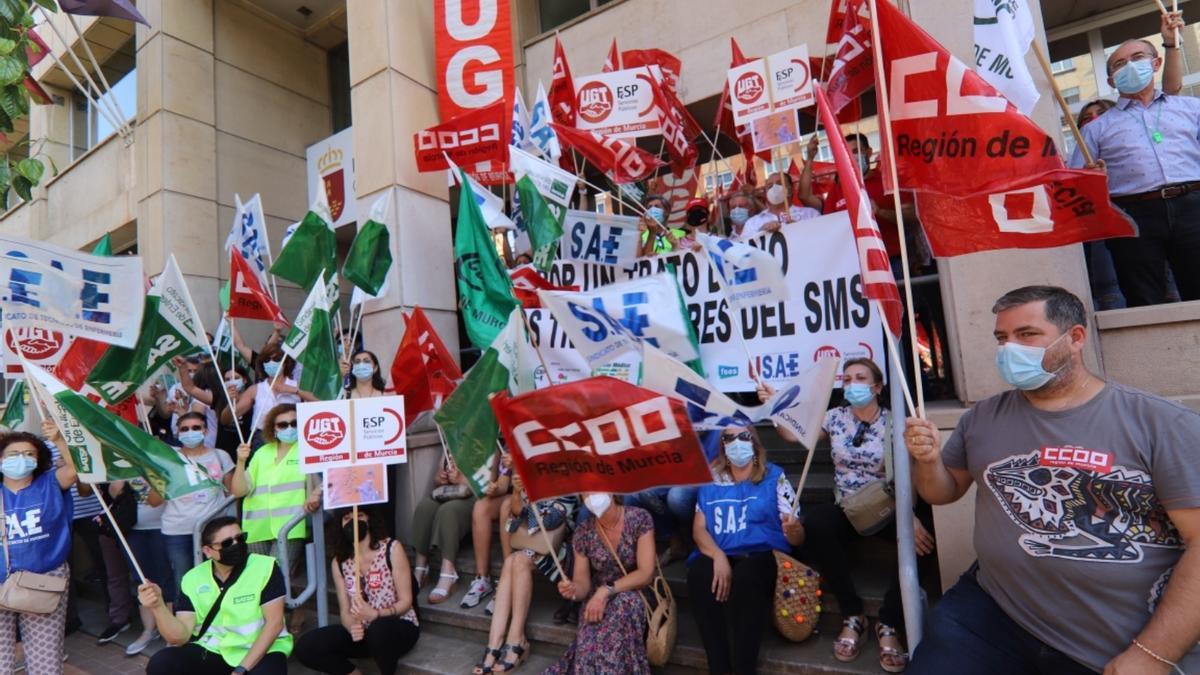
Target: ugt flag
105, 447
247, 297
1003, 33
599, 435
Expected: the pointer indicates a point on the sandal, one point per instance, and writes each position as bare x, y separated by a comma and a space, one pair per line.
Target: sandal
891, 659
485, 668
439, 594
852, 646
420, 572
520, 651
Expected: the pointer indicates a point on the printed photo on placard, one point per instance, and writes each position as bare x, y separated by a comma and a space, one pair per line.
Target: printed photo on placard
356, 485
776, 129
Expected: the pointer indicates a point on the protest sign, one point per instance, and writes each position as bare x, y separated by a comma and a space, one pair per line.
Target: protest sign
620, 103
599, 435
781, 81
600, 238
341, 433
356, 485
38, 346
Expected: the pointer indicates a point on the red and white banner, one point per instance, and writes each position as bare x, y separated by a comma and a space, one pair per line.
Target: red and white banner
342, 433
562, 88
953, 132
852, 71
473, 46
613, 60
469, 139
247, 299
626, 162
599, 435
724, 122
619, 104
779, 82
40, 346
670, 64
673, 119
423, 370
526, 282
1055, 209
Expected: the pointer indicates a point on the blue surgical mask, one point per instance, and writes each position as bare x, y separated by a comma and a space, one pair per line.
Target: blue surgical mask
657, 213
270, 368
191, 439
288, 435
1134, 76
739, 453
363, 371
1021, 365
18, 466
739, 215
237, 383
859, 394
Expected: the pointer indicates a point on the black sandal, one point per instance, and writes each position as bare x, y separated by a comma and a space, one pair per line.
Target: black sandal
521, 652
483, 668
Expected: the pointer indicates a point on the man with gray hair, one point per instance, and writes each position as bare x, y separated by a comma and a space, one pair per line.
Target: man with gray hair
1087, 513
1149, 144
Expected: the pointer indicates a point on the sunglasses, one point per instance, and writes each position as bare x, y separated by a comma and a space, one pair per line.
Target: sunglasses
741, 436
285, 425
860, 435
239, 538
195, 428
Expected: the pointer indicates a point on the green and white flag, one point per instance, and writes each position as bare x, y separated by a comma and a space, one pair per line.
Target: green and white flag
545, 230
485, 293
317, 353
296, 341
311, 249
14, 409
466, 418
105, 447
169, 329
370, 258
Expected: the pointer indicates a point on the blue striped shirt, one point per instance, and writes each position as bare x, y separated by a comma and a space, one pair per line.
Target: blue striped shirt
1124, 138
85, 507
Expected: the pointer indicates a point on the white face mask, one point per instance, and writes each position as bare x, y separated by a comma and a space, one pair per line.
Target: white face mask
598, 504
776, 195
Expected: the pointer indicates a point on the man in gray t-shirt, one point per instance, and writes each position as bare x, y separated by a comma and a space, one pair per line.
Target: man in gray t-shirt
1087, 493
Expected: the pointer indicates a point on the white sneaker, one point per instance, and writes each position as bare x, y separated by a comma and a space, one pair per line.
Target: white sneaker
480, 588
491, 607
140, 644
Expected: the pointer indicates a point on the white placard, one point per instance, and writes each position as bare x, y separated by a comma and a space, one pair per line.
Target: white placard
330, 167
326, 429
790, 79
620, 103
749, 93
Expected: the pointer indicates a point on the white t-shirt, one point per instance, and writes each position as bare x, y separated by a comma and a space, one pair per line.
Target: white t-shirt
265, 399
181, 514
148, 517
754, 226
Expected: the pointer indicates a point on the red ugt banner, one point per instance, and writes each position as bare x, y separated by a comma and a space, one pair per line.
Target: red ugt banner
473, 48
599, 435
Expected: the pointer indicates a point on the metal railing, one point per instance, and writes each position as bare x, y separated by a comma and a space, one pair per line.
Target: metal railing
197, 554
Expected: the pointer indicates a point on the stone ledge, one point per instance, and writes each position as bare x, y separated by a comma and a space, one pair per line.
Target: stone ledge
1175, 312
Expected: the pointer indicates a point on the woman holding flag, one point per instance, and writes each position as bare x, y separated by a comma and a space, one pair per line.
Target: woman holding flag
37, 539
366, 380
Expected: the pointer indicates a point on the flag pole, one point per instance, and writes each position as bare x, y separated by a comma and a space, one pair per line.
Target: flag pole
1178, 33
87, 47
537, 515
735, 313
103, 105
890, 145
358, 575
1062, 103
117, 530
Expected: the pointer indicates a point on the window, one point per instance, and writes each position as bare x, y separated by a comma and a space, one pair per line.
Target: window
1064, 66
554, 13
339, 86
1071, 94
710, 183
90, 126
726, 178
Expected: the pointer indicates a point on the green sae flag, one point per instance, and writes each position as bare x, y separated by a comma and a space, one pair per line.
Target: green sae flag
370, 257
105, 447
321, 374
104, 246
485, 293
311, 249
14, 410
169, 329
544, 229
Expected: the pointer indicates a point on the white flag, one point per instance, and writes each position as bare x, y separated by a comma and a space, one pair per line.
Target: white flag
297, 338
491, 206
556, 186
752, 276
249, 235
540, 131
520, 124
1003, 33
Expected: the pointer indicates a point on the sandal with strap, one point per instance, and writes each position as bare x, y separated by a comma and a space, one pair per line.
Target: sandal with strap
485, 668
857, 624
438, 595
521, 651
420, 572
891, 659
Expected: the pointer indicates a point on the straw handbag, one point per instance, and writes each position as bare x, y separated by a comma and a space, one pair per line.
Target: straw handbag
797, 598
662, 620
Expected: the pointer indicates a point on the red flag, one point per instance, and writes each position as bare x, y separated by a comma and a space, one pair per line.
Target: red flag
877, 280
608, 436
613, 60
37, 51
852, 71
670, 64
526, 282
562, 88
473, 54
953, 132
79, 360
674, 130
423, 371
247, 299
480, 135
626, 162
1053, 209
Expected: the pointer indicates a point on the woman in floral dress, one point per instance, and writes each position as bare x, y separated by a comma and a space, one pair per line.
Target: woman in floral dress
611, 638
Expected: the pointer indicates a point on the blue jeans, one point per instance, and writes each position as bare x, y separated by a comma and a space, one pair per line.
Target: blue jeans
151, 553
179, 555
672, 509
968, 634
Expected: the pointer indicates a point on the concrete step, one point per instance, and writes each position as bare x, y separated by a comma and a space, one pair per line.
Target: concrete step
444, 649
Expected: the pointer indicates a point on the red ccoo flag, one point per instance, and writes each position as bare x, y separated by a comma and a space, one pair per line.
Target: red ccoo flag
672, 118
877, 280
423, 371
626, 162
562, 88
527, 282
852, 71
247, 299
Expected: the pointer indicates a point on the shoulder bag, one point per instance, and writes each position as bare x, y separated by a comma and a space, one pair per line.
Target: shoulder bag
534, 541
872, 507
24, 591
662, 620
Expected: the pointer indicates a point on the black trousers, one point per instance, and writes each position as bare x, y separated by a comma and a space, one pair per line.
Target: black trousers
827, 532
1168, 232
746, 611
192, 659
89, 532
330, 649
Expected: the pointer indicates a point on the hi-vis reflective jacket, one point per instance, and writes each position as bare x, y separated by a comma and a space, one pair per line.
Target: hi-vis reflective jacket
240, 618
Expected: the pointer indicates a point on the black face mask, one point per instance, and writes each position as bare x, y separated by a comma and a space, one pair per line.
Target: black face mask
235, 555
697, 217
348, 530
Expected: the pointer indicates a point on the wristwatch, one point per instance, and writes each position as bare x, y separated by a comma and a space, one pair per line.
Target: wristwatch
612, 590
240, 670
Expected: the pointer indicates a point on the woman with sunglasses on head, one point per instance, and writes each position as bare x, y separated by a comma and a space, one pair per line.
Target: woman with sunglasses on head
378, 616
228, 617
742, 518
858, 433
275, 491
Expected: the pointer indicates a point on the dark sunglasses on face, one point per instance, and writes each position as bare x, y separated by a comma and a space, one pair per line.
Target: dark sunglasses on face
239, 538
285, 424
740, 436
860, 435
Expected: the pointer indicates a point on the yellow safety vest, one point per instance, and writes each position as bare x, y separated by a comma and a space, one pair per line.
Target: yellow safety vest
240, 618
278, 495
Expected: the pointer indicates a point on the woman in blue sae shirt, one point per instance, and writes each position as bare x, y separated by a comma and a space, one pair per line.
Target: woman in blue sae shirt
741, 519
37, 527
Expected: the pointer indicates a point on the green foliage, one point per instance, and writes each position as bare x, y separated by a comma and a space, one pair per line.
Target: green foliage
16, 20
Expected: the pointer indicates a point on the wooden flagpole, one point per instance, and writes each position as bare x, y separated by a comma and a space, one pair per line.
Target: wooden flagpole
890, 146
1062, 103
